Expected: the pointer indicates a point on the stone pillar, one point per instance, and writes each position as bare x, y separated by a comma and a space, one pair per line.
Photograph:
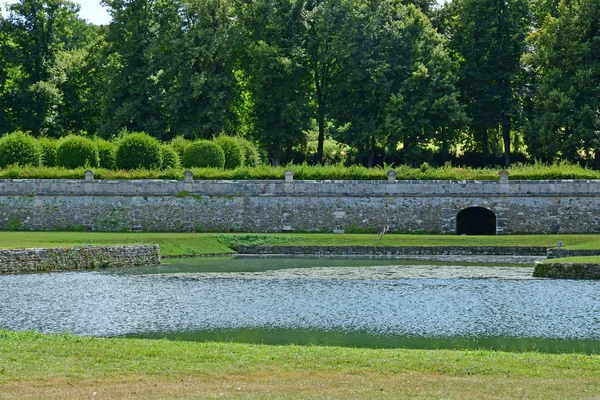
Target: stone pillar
89, 175
188, 176
289, 176
391, 175
503, 176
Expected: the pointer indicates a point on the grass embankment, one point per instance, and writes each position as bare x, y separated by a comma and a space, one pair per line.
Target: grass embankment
191, 244
573, 260
38, 366
333, 172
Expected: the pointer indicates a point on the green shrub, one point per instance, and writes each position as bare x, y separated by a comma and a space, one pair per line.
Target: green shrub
170, 158
234, 152
179, 143
251, 154
19, 148
107, 151
77, 151
49, 147
138, 150
203, 153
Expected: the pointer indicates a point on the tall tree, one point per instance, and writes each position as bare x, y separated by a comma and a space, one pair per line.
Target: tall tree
37, 30
133, 97
324, 53
196, 55
395, 82
274, 64
489, 39
80, 75
566, 56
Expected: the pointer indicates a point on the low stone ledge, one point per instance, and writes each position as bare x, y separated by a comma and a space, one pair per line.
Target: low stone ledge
566, 270
88, 257
396, 250
560, 253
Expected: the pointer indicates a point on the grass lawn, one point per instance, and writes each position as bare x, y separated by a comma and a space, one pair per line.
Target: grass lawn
38, 366
574, 260
189, 244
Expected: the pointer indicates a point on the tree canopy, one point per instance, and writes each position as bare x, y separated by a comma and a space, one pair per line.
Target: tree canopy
357, 81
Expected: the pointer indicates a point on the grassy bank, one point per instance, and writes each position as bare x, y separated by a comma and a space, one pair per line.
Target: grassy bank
574, 260
330, 172
38, 366
190, 244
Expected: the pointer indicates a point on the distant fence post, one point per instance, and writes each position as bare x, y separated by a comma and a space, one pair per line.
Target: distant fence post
391, 176
289, 176
188, 176
89, 175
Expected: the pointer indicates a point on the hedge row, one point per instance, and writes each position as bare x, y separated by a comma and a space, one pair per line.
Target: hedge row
560, 171
131, 151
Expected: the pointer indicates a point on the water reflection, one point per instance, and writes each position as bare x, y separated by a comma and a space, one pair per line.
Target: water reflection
186, 301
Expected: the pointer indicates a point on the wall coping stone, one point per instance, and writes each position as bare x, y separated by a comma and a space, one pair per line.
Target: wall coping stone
315, 188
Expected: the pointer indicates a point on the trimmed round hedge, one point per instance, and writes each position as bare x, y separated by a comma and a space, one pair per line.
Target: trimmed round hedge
251, 154
19, 148
170, 158
203, 153
49, 147
107, 151
77, 151
179, 143
234, 152
138, 150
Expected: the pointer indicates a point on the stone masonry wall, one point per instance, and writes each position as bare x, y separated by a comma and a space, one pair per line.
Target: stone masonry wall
37, 260
565, 206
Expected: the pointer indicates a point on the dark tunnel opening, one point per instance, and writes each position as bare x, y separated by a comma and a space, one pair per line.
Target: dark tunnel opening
476, 221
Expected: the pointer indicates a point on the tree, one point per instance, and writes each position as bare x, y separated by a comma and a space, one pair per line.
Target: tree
566, 57
488, 37
197, 59
395, 81
133, 100
273, 60
323, 50
80, 75
34, 33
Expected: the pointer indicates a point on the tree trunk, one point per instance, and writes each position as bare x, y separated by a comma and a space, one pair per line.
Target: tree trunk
483, 136
320, 117
371, 152
506, 138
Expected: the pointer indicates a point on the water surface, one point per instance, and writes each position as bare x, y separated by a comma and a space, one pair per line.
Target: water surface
351, 302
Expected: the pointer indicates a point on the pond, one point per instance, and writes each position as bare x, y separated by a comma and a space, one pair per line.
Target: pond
371, 302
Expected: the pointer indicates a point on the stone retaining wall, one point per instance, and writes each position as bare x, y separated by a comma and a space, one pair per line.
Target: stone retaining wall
89, 257
562, 206
566, 270
559, 253
395, 251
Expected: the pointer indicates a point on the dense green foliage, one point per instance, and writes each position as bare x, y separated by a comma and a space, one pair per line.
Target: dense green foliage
203, 153
49, 147
19, 148
447, 172
233, 150
474, 82
170, 158
179, 144
138, 150
251, 154
77, 151
107, 150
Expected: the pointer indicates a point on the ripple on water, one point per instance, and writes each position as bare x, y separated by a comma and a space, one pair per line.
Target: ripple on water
382, 301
